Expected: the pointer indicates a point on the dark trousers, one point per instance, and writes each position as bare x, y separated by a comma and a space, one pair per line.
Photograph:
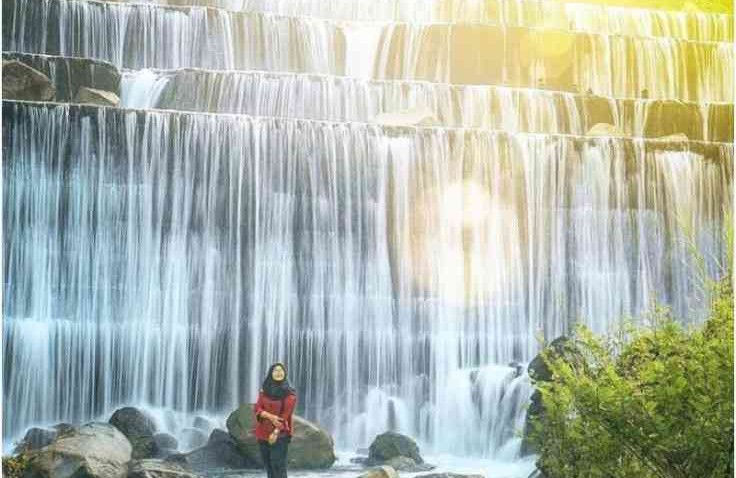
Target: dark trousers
274, 456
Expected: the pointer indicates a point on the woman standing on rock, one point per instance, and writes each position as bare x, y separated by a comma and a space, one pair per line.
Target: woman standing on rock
273, 411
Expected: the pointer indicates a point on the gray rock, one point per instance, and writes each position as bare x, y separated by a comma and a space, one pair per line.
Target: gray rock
449, 475
133, 422
154, 468
94, 450
93, 96
63, 427
22, 82
390, 444
603, 129
193, 437
561, 347
220, 452
404, 463
418, 116
380, 472
68, 74
138, 427
164, 441
35, 438
202, 423
311, 447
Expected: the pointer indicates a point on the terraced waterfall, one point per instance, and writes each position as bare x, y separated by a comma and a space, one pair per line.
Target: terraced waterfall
396, 198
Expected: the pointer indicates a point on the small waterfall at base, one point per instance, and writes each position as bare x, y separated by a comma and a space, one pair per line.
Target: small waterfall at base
165, 258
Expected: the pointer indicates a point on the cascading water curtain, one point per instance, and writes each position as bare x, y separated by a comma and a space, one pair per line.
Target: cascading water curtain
148, 36
163, 258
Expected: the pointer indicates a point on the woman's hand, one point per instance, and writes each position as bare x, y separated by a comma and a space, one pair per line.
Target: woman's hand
273, 436
275, 419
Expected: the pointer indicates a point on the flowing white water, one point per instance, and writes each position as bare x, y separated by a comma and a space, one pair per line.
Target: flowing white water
164, 259
527, 13
149, 253
150, 36
339, 98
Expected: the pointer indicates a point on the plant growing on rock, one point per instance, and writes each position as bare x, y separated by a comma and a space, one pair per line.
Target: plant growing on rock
14, 466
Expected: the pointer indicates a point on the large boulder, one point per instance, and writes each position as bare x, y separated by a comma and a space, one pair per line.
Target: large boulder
391, 444
380, 472
139, 428
311, 447
23, 82
94, 450
220, 452
154, 468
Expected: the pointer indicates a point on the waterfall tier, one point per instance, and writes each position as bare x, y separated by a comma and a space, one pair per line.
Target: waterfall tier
521, 13
164, 248
338, 98
140, 36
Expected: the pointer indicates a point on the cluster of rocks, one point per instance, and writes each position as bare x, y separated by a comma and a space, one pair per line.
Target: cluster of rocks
129, 445
31, 77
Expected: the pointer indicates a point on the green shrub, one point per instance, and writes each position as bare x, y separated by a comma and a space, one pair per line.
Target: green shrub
658, 404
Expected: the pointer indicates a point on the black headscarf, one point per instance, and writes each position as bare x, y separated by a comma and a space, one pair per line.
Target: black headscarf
274, 389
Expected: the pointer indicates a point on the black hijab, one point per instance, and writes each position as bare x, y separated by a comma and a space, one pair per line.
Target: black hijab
274, 389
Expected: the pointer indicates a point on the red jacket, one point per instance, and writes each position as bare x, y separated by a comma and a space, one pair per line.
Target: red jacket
264, 427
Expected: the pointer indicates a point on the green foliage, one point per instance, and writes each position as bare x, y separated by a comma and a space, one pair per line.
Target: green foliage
659, 404
14, 466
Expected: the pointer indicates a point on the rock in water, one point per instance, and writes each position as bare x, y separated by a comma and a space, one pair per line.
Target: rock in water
35, 438
449, 475
404, 463
675, 138
390, 444
22, 82
380, 472
164, 440
202, 423
311, 447
419, 116
153, 468
603, 129
193, 438
138, 427
94, 450
561, 347
220, 452
92, 96
164, 445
